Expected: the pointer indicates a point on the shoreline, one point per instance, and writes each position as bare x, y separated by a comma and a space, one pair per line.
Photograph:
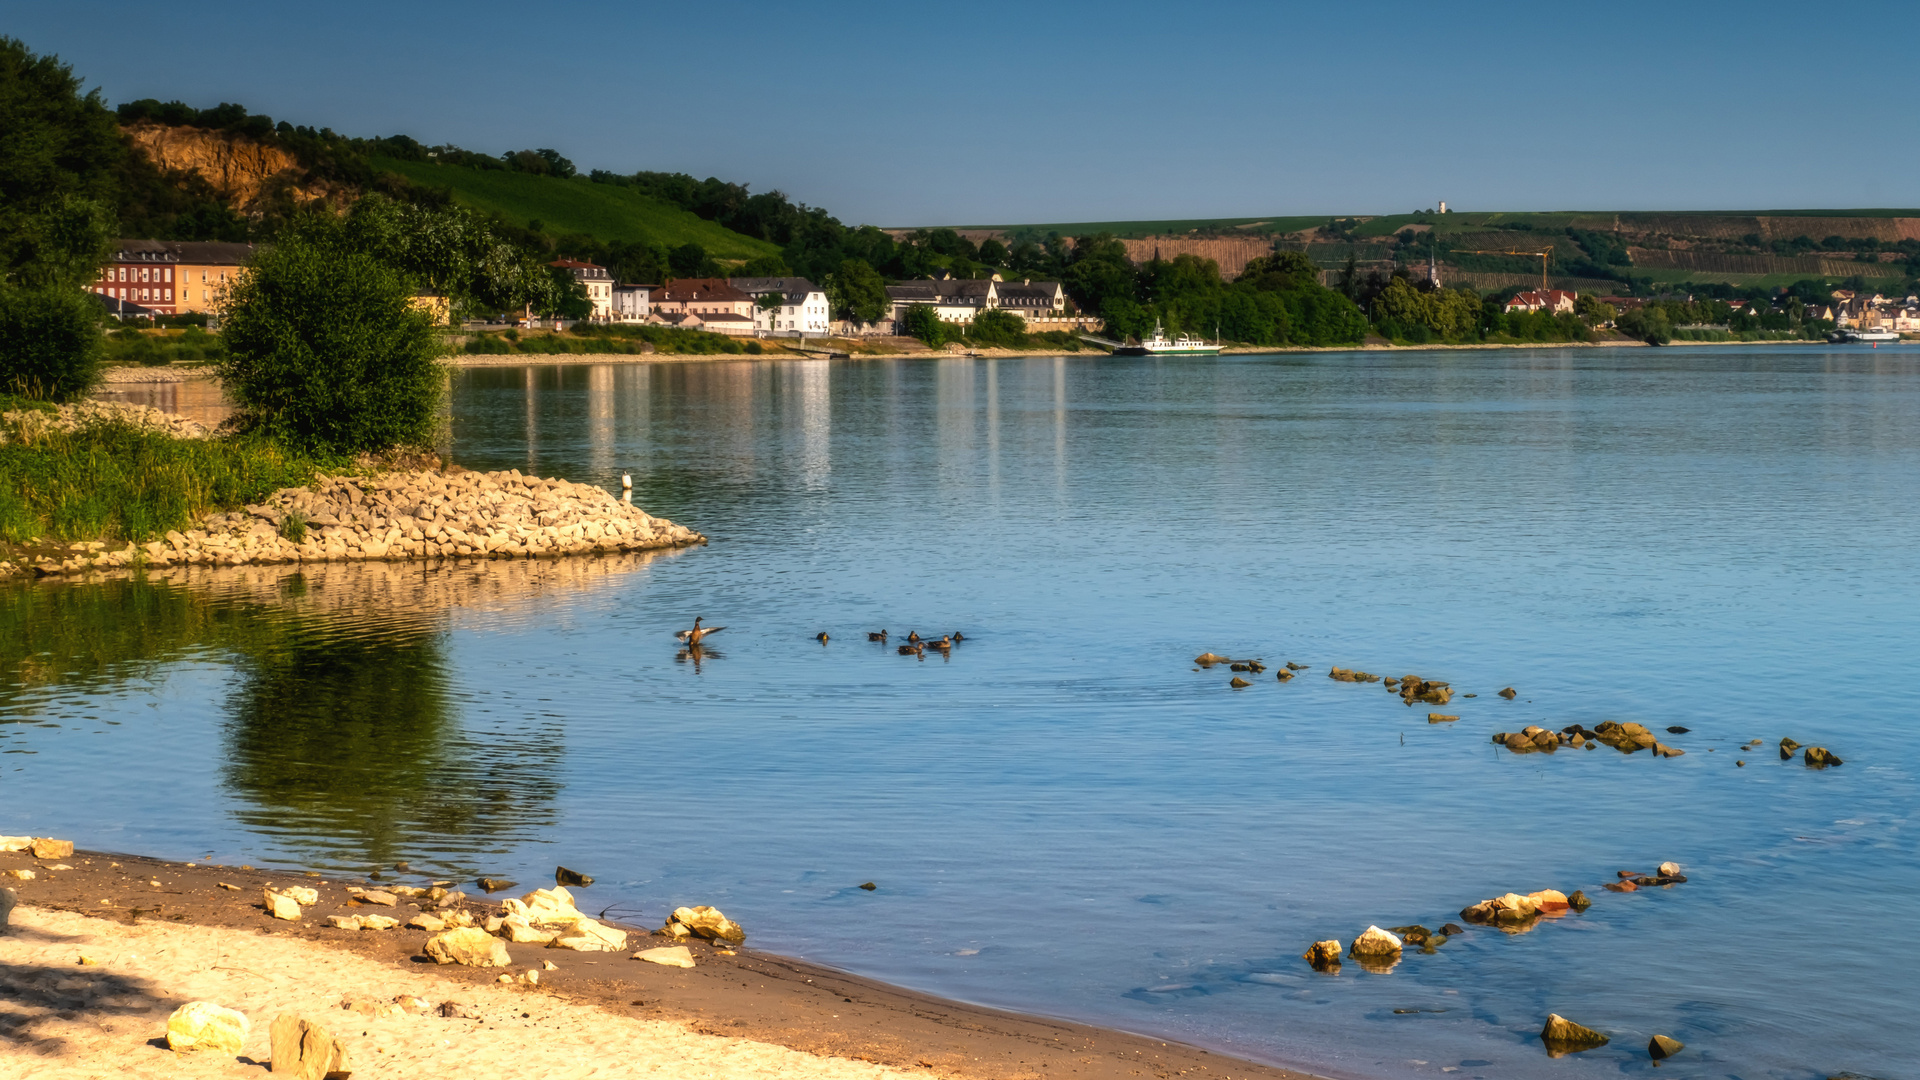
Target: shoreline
730, 995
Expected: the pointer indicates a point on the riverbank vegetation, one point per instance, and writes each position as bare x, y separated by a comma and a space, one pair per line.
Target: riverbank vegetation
586, 339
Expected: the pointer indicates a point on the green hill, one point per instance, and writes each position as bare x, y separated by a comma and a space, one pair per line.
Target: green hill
605, 211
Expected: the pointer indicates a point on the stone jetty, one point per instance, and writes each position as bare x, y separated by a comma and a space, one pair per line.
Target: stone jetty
435, 514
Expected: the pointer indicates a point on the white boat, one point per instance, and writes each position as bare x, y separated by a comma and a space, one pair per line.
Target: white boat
1865, 335
1160, 345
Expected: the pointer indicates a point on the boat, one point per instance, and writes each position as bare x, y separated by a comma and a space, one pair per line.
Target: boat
1160, 345
1863, 335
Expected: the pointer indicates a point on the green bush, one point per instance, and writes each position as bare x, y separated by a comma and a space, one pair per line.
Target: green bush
50, 343
923, 322
325, 350
995, 327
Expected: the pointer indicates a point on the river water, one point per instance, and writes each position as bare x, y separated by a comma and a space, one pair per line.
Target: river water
1065, 815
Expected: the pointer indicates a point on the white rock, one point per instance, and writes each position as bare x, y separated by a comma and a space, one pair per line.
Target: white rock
204, 1025
667, 955
1375, 942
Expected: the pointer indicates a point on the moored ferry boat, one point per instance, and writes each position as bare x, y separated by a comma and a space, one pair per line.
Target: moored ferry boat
1160, 345
1874, 335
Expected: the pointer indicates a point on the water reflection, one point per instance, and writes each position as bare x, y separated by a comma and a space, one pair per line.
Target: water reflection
344, 739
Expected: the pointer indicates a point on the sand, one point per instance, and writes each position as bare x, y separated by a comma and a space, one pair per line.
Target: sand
63, 1020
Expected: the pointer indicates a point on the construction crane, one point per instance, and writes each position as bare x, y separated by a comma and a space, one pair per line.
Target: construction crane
1543, 256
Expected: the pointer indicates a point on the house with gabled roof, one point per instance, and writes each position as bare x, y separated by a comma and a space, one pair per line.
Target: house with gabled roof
803, 309
1552, 301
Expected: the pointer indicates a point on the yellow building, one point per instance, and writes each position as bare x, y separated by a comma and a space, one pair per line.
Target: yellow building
173, 277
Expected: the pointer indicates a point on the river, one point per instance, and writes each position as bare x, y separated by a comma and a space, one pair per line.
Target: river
1065, 815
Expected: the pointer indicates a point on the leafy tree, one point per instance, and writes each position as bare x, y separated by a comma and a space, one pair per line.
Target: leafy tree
770, 303
1650, 324
567, 298
923, 322
50, 342
993, 252
691, 260
325, 350
763, 266
857, 292
997, 327
1589, 309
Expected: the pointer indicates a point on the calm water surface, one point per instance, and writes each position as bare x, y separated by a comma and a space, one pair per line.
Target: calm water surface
1065, 816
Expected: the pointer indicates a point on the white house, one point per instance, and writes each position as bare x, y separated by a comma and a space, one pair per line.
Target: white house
598, 282
803, 309
958, 300
632, 303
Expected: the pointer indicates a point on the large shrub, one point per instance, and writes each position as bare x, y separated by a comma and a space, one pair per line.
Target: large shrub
325, 350
997, 327
50, 342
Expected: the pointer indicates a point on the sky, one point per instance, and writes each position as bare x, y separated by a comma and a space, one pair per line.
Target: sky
912, 114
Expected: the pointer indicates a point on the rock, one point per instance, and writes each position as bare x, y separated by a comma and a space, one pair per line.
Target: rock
1323, 954
1668, 869
302, 895
280, 905
1661, 1047
517, 929
8, 898
1207, 659
869, 886
1620, 886
1291, 666
1509, 693
1283, 675
469, 946
1787, 747
344, 922
378, 922
708, 923
1563, 1036
1440, 718
1817, 757
1578, 901
304, 1049
587, 935
553, 905
431, 924
1453, 929
23, 875
494, 885
44, 848
1412, 935
15, 843
373, 896
1353, 676
1375, 942
204, 1025
1237, 667
456, 1010
675, 931
564, 876
1676, 729
416, 1006
1239, 683
667, 956
1549, 900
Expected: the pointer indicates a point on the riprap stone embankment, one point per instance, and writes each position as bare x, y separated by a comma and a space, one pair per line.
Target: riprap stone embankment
402, 515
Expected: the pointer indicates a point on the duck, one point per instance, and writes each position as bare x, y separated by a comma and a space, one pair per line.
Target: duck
821, 637
695, 635
944, 644
913, 635
913, 650
958, 636
880, 637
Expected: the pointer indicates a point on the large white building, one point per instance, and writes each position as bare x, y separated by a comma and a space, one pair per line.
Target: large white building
803, 309
598, 282
632, 303
958, 300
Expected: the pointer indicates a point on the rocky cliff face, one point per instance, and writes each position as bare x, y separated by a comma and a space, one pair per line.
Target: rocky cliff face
242, 170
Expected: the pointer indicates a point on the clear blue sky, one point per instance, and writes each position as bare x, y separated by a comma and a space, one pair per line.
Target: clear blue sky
918, 113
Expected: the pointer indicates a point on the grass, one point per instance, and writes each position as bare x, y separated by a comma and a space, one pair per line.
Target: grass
116, 482
604, 211
156, 348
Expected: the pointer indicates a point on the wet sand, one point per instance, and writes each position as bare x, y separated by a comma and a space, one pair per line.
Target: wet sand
165, 933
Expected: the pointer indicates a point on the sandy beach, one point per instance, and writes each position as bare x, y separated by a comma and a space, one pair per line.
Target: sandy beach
104, 947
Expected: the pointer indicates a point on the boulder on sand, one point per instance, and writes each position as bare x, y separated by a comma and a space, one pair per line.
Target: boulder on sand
304, 1049
707, 922
204, 1025
667, 956
44, 848
470, 946
279, 904
1563, 1036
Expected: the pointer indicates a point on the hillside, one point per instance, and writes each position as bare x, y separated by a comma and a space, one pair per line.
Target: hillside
607, 212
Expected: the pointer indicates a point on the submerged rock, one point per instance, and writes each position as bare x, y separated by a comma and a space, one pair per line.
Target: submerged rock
564, 876
869, 886
1440, 718
1345, 675
1676, 729
1509, 693
204, 1025
1323, 954
1207, 659
1239, 683
1412, 935
1563, 1036
1375, 942
1661, 1047
1787, 747
1817, 757
494, 885
1578, 901
1284, 674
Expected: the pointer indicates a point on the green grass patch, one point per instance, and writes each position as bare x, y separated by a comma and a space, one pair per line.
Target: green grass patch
607, 212
586, 339
115, 482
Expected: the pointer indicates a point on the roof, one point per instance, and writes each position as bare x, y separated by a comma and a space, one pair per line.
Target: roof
708, 290
123, 308
950, 291
759, 286
634, 285
191, 252
572, 264
1045, 290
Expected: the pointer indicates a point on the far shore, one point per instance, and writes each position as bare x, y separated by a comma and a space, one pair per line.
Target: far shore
156, 933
